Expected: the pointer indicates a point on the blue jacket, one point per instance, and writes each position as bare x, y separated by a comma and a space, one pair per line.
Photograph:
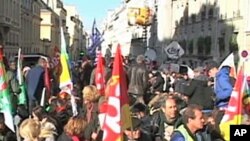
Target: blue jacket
35, 83
223, 87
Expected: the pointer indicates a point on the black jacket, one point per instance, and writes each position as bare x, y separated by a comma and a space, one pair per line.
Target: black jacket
200, 93
159, 83
158, 121
138, 79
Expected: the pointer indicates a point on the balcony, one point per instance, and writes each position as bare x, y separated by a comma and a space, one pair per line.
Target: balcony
5, 20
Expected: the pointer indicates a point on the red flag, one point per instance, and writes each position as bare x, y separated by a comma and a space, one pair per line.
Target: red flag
117, 116
99, 75
234, 113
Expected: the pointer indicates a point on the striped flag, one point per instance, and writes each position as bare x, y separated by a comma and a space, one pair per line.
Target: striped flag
234, 113
66, 84
117, 117
5, 102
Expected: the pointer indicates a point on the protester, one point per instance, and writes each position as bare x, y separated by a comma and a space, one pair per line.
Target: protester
223, 86
198, 91
138, 79
73, 130
90, 111
140, 111
11, 78
35, 83
166, 120
193, 121
134, 132
31, 130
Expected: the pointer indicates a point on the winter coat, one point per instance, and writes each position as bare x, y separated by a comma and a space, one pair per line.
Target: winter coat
200, 93
223, 87
138, 79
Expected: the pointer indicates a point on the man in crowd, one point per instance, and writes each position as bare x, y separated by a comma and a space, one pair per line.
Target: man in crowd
166, 120
138, 79
11, 78
222, 84
193, 121
135, 133
35, 83
198, 91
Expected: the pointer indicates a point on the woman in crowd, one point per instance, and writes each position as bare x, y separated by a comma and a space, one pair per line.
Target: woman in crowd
31, 130
73, 130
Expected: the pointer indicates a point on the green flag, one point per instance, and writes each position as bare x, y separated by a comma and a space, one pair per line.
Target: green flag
5, 102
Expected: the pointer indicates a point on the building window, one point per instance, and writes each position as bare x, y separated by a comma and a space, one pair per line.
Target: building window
221, 45
193, 18
190, 47
211, 13
233, 44
186, 15
200, 46
203, 13
208, 43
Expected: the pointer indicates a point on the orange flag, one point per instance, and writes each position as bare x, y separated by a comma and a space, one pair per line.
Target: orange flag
117, 116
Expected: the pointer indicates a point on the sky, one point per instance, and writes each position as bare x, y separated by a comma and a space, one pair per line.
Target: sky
93, 9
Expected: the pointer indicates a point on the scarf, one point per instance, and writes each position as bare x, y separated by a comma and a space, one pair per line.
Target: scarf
89, 111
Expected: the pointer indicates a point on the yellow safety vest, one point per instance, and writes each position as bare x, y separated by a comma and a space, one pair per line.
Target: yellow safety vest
184, 132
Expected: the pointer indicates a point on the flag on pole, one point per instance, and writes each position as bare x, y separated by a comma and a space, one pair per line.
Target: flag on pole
117, 117
234, 113
5, 101
96, 40
42, 102
99, 74
65, 78
66, 84
22, 97
229, 61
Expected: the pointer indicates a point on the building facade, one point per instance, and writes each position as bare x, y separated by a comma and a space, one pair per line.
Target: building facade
50, 29
209, 30
26, 26
75, 29
36, 45
58, 7
10, 22
133, 38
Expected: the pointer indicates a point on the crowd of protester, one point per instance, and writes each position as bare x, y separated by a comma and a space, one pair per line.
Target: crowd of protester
164, 105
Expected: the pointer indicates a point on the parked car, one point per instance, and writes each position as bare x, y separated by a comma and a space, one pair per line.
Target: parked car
31, 59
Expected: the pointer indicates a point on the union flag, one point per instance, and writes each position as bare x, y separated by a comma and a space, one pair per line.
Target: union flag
117, 117
99, 74
236, 110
